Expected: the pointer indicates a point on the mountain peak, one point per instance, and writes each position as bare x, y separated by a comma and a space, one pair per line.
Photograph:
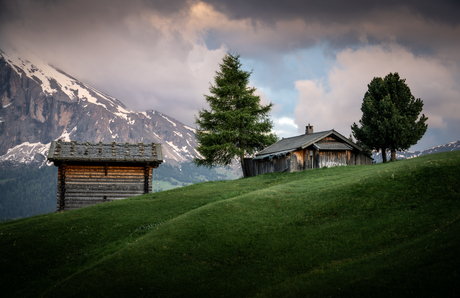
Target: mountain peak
41, 103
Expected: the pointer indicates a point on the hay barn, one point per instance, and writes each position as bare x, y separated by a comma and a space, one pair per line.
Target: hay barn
93, 173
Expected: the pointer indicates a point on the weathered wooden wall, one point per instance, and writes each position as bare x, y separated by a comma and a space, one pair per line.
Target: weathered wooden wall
84, 185
305, 159
256, 167
333, 158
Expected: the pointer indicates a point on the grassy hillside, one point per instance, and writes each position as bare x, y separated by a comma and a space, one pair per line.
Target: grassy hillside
359, 231
26, 190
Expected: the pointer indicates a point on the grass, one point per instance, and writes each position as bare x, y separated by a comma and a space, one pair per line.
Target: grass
381, 230
164, 185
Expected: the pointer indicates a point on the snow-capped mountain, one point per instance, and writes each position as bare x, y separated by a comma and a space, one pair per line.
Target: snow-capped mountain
452, 146
40, 103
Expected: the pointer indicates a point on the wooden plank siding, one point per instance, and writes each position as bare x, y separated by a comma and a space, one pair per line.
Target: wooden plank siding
307, 151
93, 173
305, 159
81, 185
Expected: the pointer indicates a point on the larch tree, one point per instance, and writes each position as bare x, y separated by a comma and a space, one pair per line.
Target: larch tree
236, 124
391, 116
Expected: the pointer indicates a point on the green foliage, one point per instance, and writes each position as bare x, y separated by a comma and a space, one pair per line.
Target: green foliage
26, 191
236, 123
390, 114
356, 231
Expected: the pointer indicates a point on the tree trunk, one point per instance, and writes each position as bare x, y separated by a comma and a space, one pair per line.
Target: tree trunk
384, 155
393, 154
242, 166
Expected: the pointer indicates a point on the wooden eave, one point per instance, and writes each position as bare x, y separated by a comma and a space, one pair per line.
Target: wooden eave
86, 152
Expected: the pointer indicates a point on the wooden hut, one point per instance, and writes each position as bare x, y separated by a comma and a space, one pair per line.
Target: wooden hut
93, 173
308, 151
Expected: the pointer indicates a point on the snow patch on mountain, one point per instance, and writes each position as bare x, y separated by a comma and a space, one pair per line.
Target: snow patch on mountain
66, 135
145, 114
27, 153
169, 120
189, 128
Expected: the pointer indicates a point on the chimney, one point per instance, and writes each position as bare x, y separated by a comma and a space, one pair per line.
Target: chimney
308, 129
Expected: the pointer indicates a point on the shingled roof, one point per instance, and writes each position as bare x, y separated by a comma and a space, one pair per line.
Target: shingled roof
105, 152
287, 145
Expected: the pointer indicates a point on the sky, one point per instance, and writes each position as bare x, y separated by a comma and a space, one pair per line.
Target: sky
312, 59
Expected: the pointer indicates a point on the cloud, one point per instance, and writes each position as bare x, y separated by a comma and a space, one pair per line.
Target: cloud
337, 11
335, 102
148, 56
284, 126
163, 54
282, 26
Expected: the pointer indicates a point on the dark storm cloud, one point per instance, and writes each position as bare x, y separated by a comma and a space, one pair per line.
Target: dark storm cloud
78, 15
426, 27
337, 11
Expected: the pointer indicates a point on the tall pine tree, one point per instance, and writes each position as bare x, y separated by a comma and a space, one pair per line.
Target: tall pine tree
236, 124
390, 116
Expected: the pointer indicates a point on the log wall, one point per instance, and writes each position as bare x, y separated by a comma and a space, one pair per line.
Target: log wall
81, 185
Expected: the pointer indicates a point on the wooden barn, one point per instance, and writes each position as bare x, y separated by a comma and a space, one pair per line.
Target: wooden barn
93, 173
308, 151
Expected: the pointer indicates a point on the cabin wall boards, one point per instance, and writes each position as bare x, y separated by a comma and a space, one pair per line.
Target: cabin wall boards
93, 173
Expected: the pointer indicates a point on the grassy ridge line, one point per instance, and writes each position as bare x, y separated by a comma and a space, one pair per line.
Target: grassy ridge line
43, 250
156, 225
314, 232
227, 255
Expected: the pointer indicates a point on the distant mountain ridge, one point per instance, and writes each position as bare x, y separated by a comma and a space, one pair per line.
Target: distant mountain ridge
40, 103
451, 146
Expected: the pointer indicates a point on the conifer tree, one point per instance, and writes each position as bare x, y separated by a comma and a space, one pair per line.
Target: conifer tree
236, 124
390, 116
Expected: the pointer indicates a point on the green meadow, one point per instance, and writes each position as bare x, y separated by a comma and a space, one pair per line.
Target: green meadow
384, 230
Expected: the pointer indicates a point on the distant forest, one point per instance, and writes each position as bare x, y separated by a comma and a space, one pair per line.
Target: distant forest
26, 191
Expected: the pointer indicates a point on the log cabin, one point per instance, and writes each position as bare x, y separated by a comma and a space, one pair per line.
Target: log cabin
308, 151
93, 173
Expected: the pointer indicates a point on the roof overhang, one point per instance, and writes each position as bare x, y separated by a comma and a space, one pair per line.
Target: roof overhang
102, 152
272, 155
335, 146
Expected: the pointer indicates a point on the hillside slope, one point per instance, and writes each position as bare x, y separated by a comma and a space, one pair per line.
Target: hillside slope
381, 230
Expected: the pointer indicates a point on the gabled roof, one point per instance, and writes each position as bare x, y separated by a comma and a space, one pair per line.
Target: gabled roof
105, 152
287, 145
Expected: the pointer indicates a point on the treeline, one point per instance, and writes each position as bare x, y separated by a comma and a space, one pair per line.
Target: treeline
25, 191
186, 173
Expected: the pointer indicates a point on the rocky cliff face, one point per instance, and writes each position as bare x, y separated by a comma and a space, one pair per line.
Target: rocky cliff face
40, 104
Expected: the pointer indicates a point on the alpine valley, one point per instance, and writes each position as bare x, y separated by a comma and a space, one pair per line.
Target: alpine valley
40, 104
